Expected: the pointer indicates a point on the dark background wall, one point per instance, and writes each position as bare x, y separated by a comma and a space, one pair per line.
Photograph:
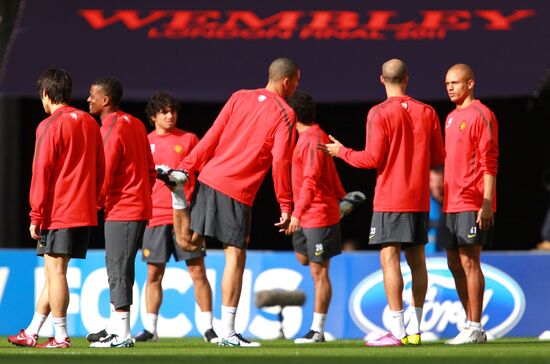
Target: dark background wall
524, 155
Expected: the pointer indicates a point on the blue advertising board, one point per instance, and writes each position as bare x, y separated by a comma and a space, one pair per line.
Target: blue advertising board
516, 293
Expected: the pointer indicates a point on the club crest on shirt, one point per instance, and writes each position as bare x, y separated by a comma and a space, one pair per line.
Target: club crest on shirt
178, 148
449, 122
73, 115
126, 118
152, 148
261, 98
404, 105
462, 125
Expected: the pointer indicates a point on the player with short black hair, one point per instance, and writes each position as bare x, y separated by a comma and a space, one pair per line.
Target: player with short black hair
315, 221
253, 132
126, 195
67, 176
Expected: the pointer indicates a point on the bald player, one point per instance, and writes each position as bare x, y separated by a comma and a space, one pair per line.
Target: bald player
254, 131
469, 202
403, 141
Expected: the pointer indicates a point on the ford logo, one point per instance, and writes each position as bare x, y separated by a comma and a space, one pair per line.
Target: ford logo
503, 303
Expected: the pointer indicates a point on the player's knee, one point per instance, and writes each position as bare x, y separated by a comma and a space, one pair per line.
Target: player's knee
197, 273
454, 266
319, 272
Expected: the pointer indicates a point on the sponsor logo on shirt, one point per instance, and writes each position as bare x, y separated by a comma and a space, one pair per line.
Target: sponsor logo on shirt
448, 123
261, 98
126, 118
462, 125
152, 148
404, 105
178, 148
73, 115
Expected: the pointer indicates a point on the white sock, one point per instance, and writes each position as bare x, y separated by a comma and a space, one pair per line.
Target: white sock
414, 324
111, 325
122, 324
397, 326
204, 321
60, 328
475, 325
150, 322
467, 324
228, 321
318, 323
36, 324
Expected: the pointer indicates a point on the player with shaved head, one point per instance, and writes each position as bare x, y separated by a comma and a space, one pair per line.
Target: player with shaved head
469, 202
403, 142
254, 131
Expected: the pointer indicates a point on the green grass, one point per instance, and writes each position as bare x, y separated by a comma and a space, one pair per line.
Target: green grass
522, 351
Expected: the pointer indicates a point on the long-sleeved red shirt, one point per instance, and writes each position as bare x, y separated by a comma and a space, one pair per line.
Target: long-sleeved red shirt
254, 130
67, 170
169, 150
403, 142
316, 186
471, 145
129, 168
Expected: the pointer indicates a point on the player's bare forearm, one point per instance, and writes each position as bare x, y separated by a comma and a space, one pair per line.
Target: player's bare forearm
182, 231
485, 218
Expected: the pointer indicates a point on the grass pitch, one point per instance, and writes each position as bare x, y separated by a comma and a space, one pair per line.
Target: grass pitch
523, 351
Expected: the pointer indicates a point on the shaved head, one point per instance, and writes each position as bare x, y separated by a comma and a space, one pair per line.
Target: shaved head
463, 69
394, 71
282, 68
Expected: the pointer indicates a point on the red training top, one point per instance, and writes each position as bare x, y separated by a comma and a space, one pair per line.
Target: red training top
471, 144
169, 150
316, 186
403, 142
129, 168
254, 130
67, 170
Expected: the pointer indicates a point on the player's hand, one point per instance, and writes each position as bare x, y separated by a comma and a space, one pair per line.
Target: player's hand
33, 230
184, 242
284, 220
333, 148
485, 218
293, 226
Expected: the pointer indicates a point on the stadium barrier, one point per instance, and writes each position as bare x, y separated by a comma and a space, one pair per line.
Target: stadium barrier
517, 292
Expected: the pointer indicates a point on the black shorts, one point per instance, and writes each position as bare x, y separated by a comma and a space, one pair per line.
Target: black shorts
122, 241
460, 229
318, 244
399, 227
72, 242
218, 216
159, 243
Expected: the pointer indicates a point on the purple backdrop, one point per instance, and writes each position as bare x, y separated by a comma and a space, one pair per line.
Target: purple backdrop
205, 50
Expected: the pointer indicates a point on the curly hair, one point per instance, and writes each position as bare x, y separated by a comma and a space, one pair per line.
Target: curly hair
160, 101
